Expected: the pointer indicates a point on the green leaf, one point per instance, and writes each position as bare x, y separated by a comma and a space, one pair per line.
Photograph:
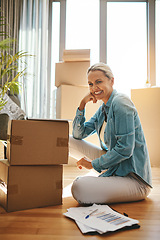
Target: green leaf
10, 64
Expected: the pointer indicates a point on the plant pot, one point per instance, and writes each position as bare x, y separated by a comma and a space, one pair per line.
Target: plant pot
4, 118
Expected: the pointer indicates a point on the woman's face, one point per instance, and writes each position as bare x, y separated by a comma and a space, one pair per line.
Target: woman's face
100, 86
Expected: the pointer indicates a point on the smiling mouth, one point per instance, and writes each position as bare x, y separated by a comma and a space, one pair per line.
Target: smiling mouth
98, 92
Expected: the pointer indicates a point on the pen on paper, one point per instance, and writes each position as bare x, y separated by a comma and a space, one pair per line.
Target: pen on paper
90, 213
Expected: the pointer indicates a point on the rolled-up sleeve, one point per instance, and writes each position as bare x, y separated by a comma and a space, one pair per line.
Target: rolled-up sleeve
82, 129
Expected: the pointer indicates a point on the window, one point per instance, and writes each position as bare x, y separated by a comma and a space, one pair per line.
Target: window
120, 33
127, 44
82, 26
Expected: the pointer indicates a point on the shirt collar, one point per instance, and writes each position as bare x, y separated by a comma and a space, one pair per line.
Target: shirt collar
108, 104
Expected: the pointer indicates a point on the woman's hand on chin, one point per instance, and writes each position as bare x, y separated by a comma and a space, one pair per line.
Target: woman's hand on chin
89, 97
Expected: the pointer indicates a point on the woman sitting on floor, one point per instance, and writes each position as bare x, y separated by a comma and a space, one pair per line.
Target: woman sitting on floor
123, 159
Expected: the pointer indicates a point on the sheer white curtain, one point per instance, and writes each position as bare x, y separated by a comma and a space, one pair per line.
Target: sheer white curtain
33, 38
10, 10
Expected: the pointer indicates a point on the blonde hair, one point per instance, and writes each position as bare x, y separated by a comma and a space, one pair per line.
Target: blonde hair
101, 67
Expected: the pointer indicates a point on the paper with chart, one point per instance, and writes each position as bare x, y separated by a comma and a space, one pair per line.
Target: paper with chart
99, 218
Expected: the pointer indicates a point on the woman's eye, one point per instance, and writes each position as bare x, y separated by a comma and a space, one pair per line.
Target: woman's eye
99, 82
90, 84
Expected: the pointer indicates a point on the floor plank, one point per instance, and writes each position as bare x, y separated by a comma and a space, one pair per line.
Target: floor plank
49, 223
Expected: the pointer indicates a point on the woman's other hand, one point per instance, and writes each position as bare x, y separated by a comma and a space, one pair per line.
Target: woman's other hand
84, 162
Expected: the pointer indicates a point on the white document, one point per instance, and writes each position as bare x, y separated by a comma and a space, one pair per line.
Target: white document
99, 218
86, 229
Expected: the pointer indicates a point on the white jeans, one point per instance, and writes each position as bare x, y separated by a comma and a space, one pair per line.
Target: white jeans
113, 189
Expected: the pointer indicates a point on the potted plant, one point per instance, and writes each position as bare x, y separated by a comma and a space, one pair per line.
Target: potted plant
10, 72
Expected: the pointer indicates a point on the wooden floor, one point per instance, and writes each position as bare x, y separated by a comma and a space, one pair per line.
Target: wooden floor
50, 224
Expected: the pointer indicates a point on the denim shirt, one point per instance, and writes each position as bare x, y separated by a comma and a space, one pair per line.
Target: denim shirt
124, 141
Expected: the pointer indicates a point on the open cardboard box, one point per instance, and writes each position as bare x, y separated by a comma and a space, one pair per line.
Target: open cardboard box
38, 142
25, 187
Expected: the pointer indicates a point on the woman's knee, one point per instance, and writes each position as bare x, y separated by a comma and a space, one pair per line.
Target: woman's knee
84, 190
77, 189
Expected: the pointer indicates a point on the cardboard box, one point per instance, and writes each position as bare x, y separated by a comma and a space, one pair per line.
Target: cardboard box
71, 73
25, 187
146, 101
68, 100
38, 142
1, 150
71, 55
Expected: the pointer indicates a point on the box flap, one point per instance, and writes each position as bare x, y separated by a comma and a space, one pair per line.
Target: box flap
52, 120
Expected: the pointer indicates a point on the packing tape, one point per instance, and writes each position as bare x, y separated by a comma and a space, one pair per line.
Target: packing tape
62, 142
17, 140
12, 189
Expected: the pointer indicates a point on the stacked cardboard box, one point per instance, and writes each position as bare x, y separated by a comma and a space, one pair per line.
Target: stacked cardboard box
79, 55
71, 73
31, 176
146, 101
72, 86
